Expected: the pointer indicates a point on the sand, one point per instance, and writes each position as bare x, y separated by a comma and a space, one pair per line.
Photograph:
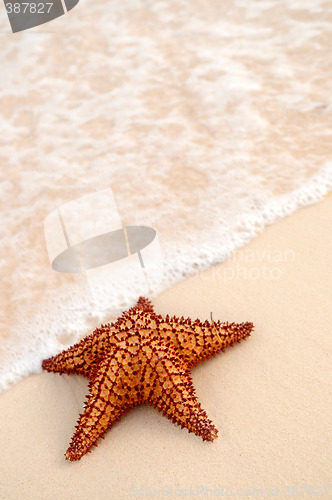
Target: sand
270, 397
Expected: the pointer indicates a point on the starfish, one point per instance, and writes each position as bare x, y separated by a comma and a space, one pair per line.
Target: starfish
143, 358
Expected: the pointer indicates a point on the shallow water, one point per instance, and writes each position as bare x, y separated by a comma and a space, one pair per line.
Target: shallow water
208, 120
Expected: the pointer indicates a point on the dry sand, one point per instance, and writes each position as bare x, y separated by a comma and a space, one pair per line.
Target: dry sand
270, 397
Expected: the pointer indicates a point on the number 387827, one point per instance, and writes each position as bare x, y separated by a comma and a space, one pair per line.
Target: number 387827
28, 8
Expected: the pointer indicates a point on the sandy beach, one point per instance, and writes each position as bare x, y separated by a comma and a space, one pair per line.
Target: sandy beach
270, 397
210, 122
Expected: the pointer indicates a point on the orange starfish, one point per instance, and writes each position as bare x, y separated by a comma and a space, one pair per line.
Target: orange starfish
143, 358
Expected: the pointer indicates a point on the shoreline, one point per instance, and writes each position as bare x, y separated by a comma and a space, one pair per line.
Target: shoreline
268, 396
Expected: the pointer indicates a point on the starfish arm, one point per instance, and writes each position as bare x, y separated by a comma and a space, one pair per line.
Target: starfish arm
82, 357
144, 304
106, 404
198, 341
173, 393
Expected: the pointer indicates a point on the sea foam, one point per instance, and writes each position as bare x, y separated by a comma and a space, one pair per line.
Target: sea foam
207, 120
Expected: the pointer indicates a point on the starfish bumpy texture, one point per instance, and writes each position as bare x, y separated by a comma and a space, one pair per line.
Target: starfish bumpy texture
143, 358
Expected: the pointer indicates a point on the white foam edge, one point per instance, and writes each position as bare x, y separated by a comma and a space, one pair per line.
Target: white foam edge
313, 191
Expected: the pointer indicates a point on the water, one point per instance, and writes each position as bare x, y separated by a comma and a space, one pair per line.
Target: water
208, 120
